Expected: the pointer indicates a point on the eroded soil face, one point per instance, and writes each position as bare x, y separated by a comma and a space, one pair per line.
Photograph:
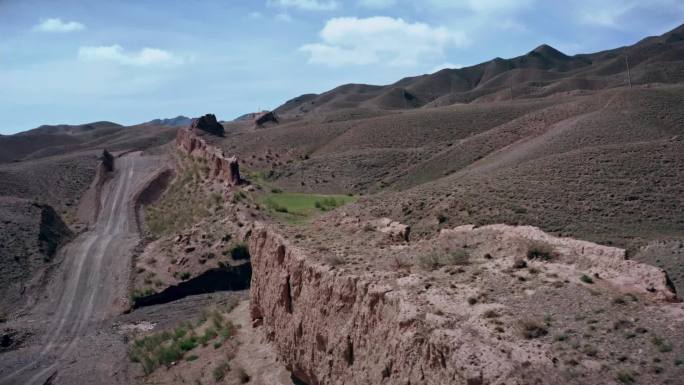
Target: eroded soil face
495, 303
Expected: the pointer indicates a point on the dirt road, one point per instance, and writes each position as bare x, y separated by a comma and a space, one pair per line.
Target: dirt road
74, 341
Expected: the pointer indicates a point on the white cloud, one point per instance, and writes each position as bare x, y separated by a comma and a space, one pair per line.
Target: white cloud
605, 13
611, 13
116, 53
354, 41
307, 5
377, 4
57, 25
484, 6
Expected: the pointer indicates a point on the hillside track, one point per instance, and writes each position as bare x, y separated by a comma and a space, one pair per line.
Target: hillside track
74, 340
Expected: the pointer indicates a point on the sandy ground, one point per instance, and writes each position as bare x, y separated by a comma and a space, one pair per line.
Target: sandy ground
255, 355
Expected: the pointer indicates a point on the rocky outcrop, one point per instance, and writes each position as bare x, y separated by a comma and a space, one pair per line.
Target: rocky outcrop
107, 161
208, 123
396, 231
90, 203
265, 118
225, 169
333, 325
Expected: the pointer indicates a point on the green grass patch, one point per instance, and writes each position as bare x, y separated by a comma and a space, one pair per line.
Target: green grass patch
297, 207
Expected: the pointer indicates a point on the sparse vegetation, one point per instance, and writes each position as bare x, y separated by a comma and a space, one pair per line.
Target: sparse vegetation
221, 370
138, 294
335, 260
435, 259
238, 196
180, 206
167, 347
661, 345
625, 376
399, 263
532, 328
586, 279
540, 250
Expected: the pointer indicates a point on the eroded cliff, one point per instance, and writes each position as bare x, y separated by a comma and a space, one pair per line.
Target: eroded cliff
480, 320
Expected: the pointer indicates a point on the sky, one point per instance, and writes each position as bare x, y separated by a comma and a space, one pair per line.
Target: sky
131, 61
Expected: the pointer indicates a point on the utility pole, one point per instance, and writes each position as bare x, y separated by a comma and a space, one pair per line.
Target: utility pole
629, 74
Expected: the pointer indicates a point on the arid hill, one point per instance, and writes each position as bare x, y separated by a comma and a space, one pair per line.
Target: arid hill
47, 141
601, 163
542, 72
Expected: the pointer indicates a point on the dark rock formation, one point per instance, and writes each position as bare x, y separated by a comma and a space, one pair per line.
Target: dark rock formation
107, 160
209, 124
265, 118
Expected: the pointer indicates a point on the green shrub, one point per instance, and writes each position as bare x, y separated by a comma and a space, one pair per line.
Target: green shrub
532, 329
540, 250
661, 345
625, 376
227, 330
167, 355
327, 204
179, 333
188, 343
586, 279
238, 196
458, 257
220, 371
435, 260
185, 275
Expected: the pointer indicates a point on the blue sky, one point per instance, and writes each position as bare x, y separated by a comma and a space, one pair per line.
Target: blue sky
129, 61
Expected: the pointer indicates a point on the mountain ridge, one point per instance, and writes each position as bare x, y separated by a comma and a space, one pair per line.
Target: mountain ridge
540, 72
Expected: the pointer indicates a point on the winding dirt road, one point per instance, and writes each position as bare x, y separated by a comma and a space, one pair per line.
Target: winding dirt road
75, 340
